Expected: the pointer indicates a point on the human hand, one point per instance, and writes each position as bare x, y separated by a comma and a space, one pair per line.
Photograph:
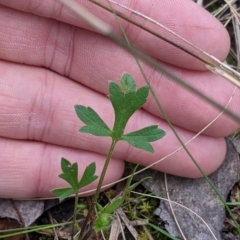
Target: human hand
48, 65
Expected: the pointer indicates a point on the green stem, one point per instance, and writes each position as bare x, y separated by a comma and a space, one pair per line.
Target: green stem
74, 214
96, 195
110, 152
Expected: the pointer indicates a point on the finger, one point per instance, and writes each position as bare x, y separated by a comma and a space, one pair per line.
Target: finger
183, 17
93, 60
31, 169
37, 104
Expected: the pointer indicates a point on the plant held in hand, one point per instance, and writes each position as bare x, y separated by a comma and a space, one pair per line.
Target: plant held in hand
70, 175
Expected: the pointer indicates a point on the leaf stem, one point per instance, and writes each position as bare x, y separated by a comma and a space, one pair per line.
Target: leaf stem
96, 195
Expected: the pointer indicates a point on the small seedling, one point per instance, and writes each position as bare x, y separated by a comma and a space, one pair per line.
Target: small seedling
105, 216
126, 100
70, 175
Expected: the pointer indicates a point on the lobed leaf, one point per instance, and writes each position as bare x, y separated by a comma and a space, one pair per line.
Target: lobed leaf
70, 173
125, 100
88, 176
151, 133
141, 138
128, 83
94, 124
125, 104
139, 142
63, 193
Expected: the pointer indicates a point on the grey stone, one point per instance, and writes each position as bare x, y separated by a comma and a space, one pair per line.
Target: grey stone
197, 195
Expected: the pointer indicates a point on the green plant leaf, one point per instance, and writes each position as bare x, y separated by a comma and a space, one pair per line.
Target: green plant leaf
110, 208
94, 124
125, 102
126, 99
128, 84
104, 217
88, 176
141, 138
100, 207
70, 173
63, 193
150, 133
140, 143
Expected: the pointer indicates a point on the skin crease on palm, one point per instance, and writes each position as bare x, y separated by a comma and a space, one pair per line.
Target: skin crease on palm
51, 61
